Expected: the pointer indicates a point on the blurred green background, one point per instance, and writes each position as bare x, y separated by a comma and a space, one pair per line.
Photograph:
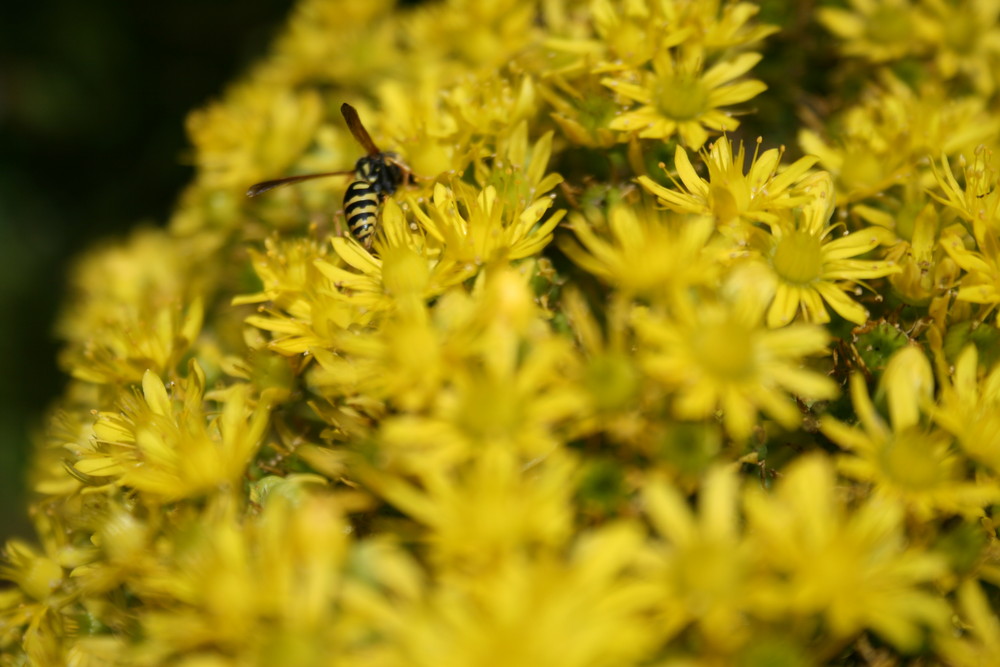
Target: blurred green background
93, 97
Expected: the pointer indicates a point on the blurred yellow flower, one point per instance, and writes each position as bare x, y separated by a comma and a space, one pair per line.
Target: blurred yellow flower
720, 357
704, 568
966, 40
852, 566
536, 610
885, 138
134, 310
647, 253
168, 446
979, 643
482, 514
880, 30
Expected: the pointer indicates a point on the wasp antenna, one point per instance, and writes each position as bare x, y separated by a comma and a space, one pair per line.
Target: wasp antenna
261, 188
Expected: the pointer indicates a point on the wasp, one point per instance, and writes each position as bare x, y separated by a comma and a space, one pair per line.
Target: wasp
378, 174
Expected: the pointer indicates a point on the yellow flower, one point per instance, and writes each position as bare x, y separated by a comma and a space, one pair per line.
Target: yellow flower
852, 566
469, 372
472, 33
137, 307
320, 33
303, 312
978, 198
925, 270
409, 344
407, 268
582, 110
724, 25
463, 444
647, 253
879, 30
258, 132
681, 97
38, 575
488, 226
719, 356
483, 513
431, 133
969, 409
981, 282
736, 199
315, 300
122, 552
578, 606
812, 270
33, 614
907, 460
611, 377
25, 622
704, 570
805, 264
490, 114
169, 447
236, 588
884, 140
462, 228
967, 40
979, 643
632, 32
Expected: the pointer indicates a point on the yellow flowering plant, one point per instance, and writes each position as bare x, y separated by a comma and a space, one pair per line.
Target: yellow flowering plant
603, 387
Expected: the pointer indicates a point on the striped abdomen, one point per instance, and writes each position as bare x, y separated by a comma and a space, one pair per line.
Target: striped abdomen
361, 203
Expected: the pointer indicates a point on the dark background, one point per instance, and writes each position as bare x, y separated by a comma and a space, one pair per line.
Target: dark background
93, 96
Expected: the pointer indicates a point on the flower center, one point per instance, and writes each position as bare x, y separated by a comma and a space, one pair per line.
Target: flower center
916, 460
681, 97
706, 573
861, 169
798, 258
723, 203
612, 381
490, 411
726, 350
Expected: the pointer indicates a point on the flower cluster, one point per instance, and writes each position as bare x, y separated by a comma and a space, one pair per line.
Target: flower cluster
616, 381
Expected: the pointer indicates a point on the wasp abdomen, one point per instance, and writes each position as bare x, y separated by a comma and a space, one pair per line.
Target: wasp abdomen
361, 203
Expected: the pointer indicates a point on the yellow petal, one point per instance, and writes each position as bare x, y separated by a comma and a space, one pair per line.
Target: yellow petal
155, 394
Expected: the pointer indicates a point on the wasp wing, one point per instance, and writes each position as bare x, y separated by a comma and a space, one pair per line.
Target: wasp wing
357, 129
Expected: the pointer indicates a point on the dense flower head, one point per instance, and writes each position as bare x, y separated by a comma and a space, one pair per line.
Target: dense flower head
674, 342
